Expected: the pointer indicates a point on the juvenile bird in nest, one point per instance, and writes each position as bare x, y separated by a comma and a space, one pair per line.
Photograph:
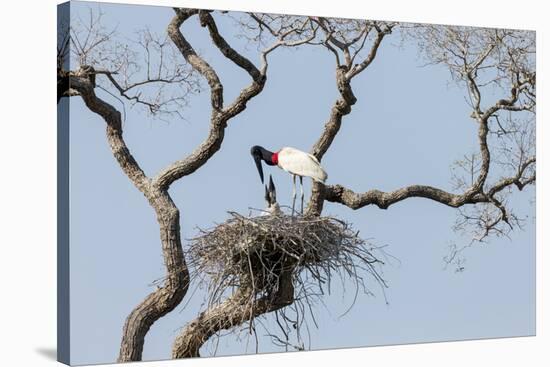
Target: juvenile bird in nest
271, 199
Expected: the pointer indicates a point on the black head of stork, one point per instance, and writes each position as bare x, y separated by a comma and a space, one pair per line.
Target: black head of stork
261, 154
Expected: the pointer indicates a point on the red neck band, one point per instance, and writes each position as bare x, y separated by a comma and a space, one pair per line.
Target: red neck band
275, 158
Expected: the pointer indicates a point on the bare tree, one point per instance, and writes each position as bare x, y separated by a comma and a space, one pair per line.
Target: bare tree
479, 59
95, 55
354, 44
495, 68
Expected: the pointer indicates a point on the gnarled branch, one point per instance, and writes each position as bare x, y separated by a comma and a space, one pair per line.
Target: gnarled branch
451, 46
234, 311
167, 297
131, 168
340, 194
229, 52
342, 106
219, 115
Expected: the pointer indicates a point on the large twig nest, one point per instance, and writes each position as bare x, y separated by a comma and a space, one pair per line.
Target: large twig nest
252, 252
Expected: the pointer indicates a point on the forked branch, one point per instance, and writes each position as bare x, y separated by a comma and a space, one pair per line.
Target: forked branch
170, 294
239, 308
220, 115
479, 58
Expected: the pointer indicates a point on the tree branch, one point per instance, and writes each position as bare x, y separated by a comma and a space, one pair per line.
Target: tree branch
342, 195
281, 42
230, 53
167, 297
468, 70
63, 84
220, 115
515, 180
356, 69
112, 117
234, 311
341, 107
201, 66
474, 194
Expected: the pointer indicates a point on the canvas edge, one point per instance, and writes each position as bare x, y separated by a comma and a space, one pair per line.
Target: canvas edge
63, 263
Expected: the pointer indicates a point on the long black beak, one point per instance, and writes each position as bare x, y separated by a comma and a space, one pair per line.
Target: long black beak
258, 161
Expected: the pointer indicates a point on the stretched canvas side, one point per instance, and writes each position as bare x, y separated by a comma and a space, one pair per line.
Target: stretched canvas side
63, 266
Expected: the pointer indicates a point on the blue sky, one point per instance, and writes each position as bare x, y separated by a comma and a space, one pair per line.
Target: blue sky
409, 124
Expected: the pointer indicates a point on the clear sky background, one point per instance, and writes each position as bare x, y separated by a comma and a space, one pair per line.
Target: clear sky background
408, 126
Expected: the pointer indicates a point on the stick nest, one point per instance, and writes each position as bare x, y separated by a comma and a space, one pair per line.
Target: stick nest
253, 251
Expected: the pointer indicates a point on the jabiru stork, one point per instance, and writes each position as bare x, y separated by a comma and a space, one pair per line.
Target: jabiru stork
293, 161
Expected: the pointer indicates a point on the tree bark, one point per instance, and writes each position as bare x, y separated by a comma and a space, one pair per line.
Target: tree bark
176, 284
243, 305
342, 106
167, 297
234, 311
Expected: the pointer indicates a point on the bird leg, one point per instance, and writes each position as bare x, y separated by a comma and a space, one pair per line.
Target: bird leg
302, 192
293, 192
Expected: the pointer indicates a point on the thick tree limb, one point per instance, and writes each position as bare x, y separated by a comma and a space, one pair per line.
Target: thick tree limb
342, 195
62, 83
198, 63
467, 67
475, 194
176, 284
341, 107
114, 131
230, 53
167, 297
232, 312
220, 115
243, 306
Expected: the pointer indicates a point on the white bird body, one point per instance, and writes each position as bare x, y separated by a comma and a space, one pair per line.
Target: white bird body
300, 163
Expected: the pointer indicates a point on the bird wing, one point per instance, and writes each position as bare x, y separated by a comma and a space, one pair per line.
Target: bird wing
301, 163
322, 177
314, 158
